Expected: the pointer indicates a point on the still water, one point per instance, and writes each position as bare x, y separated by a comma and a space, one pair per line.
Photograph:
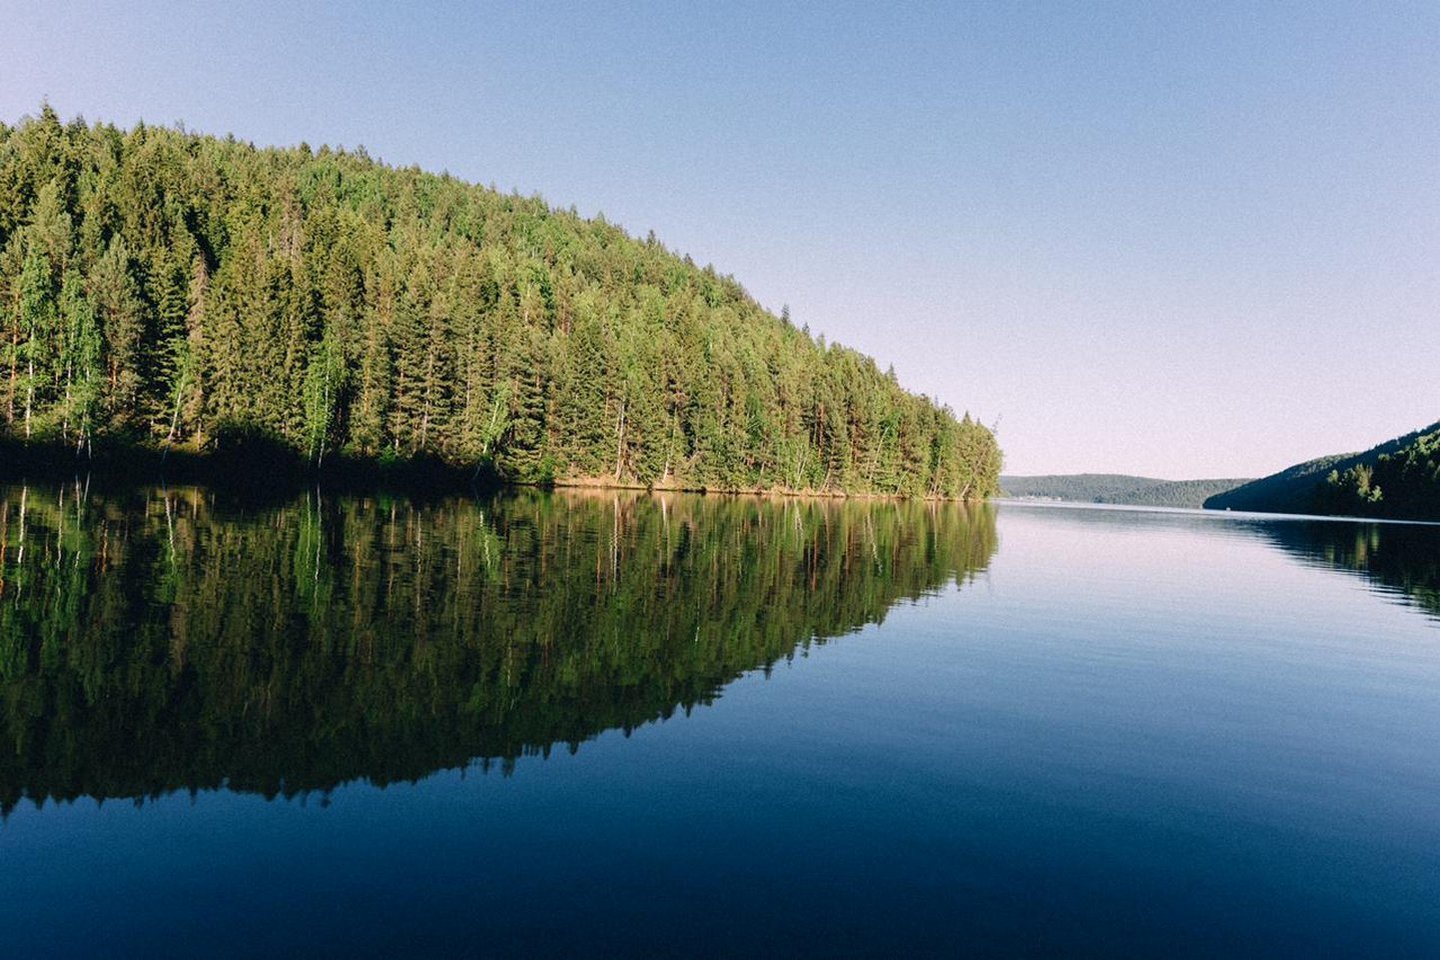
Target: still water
545, 724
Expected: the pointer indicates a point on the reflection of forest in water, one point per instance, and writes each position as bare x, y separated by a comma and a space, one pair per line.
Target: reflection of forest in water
159, 640
1403, 559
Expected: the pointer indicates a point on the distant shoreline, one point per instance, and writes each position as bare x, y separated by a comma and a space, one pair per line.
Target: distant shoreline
1218, 513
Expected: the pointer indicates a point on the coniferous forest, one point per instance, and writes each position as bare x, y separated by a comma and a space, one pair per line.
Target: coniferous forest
169, 290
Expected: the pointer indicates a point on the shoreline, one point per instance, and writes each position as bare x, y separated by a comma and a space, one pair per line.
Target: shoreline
270, 468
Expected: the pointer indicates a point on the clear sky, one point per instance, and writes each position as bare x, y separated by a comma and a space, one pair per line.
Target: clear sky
1176, 239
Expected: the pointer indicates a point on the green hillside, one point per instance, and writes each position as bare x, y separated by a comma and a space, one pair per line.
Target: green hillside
1398, 479
166, 289
1116, 488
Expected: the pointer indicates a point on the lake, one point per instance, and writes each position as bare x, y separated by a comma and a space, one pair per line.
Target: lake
550, 724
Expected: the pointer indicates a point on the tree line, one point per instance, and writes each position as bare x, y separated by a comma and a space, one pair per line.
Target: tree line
1117, 488
1402, 484
1397, 480
169, 289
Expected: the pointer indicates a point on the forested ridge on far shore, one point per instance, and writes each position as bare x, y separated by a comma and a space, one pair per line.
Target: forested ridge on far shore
167, 289
1116, 488
1395, 480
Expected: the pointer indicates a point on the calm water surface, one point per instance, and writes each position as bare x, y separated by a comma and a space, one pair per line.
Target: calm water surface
681, 726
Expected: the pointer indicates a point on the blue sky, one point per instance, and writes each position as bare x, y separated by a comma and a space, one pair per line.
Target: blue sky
1175, 239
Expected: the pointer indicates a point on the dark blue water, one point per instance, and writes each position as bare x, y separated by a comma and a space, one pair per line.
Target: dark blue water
831, 729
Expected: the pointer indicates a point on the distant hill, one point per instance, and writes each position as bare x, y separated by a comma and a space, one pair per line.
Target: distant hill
1116, 488
1398, 479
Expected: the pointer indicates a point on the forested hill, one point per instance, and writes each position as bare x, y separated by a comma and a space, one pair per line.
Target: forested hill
1116, 488
165, 288
1398, 479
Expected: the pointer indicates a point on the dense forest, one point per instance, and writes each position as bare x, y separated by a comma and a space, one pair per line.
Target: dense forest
155, 640
168, 289
1404, 483
1396, 480
1116, 488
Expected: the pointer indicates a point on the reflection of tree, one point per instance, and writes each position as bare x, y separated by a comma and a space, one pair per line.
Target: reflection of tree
156, 641
1401, 556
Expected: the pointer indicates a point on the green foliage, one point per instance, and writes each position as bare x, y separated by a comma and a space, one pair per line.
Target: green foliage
338, 304
1398, 479
83, 355
1402, 484
1117, 488
325, 380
